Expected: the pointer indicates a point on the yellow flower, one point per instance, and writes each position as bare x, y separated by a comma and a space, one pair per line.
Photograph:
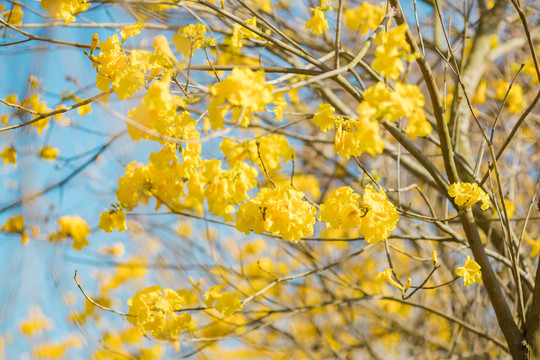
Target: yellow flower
393, 48
281, 105
480, 95
470, 272
388, 275
245, 90
161, 45
274, 150
94, 43
14, 16
324, 117
153, 310
74, 227
341, 210
9, 156
190, 38
381, 216
114, 219
15, 225
116, 69
279, 211
535, 244
418, 125
48, 153
131, 30
388, 62
64, 9
318, 23
36, 322
354, 137
364, 17
467, 194
514, 100
225, 303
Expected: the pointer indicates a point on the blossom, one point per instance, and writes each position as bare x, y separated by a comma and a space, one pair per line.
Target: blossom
354, 137
48, 153
381, 216
318, 23
274, 149
535, 244
74, 227
388, 275
131, 30
470, 272
113, 219
190, 38
393, 48
9, 155
467, 194
15, 225
324, 117
153, 310
245, 90
364, 17
64, 9
280, 211
514, 99
223, 188
14, 16
341, 210
36, 322
225, 303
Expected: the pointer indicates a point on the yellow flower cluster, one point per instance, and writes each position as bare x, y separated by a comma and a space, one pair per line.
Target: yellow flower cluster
36, 322
190, 38
122, 342
113, 219
324, 117
341, 210
222, 189
48, 153
467, 194
374, 216
74, 227
126, 73
134, 268
231, 48
13, 16
153, 310
64, 9
393, 48
245, 91
114, 67
273, 148
470, 272
318, 22
364, 17
280, 211
33, 102
356, 137
55, 350
514, 100
9, 155
131, 30
141, 182
225, 303
15, 225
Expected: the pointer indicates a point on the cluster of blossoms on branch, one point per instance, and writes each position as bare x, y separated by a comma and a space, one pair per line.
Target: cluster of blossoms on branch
247, 186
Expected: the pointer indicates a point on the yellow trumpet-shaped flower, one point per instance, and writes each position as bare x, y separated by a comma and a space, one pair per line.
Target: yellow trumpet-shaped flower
470, 272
